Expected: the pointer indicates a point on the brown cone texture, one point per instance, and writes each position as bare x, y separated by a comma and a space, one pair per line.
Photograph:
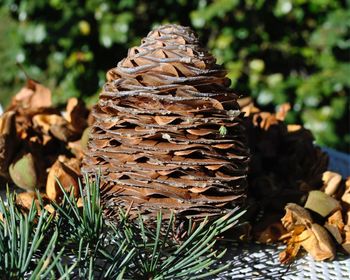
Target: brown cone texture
156, 133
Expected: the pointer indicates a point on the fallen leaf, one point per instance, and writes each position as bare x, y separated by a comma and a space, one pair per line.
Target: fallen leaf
33, 95
335, 226
26, 199
66, 171
293, 241
282, 111
318, 243
8, 141
331, 182
77, 114
56, 125
346, 244
322, 203
346, 196
295, 215
23, 172
271, 234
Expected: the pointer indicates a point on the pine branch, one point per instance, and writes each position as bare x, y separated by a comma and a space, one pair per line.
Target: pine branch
22, 238
76, 242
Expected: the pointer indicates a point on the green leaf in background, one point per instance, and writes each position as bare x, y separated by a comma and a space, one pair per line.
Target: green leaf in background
294, 51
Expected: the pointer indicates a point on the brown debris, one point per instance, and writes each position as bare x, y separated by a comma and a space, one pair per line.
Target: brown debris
285, 165
8, 141
24, 172
37, 142
346, 244
76, 114
33, 96
318, 243
335, 226
271, 234
322, 203
331, 182
156, 133
295, 215
66, 172
303, 232
293, 244
346, 195
314, 237
25, 200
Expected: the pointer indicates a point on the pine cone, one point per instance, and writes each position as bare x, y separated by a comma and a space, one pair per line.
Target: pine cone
285, 164
156, 135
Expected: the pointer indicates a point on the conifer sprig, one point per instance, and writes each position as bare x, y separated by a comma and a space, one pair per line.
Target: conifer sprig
75, 242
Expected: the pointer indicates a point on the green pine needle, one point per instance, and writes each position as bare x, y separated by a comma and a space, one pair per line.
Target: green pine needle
77, 243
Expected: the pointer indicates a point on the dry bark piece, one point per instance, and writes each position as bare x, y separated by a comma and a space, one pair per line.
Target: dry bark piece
331, 182
23, 172
66, 171
156, 132
322, 203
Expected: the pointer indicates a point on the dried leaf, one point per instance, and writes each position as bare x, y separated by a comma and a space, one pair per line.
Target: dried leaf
295, 215
335, 226
23, 172
293, 241
346, 196
293, 127
45, 121
346, 244
282, 111
318, 243
26, 199
322, 203
271, 234
56, 125
33, 96
331, 182
77, 114
8, 141
66, 171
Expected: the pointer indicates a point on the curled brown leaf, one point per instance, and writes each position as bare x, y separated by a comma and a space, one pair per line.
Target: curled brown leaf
295, 215
66, 171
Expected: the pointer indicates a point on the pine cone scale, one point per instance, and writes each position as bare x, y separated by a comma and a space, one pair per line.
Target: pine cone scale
156, 136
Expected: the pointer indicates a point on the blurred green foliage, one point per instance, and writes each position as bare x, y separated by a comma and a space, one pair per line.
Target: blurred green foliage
278, 51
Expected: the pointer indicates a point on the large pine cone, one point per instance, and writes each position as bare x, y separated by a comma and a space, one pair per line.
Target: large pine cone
156, 135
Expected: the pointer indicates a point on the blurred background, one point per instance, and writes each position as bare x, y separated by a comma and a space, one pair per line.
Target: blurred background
277, 51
